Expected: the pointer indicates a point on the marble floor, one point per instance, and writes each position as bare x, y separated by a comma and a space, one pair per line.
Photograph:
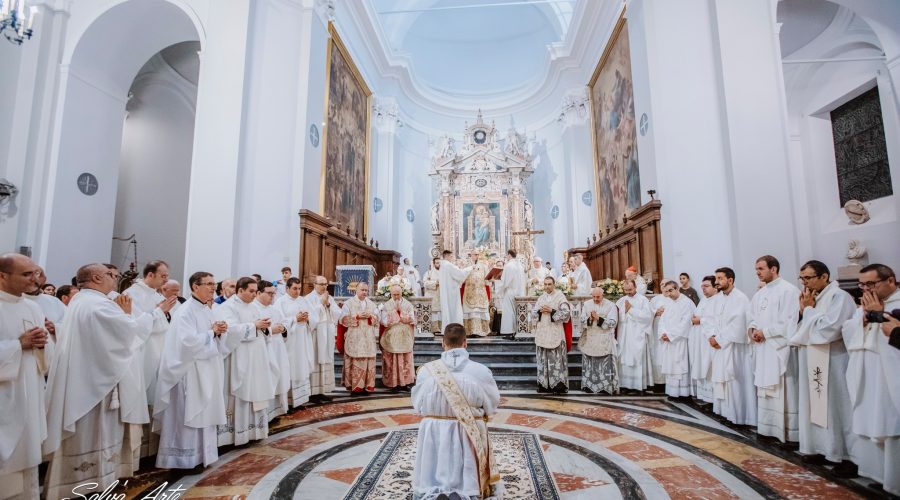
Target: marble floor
596, 447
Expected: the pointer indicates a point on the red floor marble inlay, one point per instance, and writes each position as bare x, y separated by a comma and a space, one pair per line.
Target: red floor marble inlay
526, 420
793, 481
620, 417
406, 418
353, 426
690, 482
248, 468
569, 482
299, 442
343, 475
584, 431
640, 450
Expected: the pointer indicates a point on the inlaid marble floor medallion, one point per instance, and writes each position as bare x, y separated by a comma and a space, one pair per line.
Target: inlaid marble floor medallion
622, 447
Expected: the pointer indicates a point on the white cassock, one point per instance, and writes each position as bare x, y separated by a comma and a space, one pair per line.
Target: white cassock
774, 310
445, 460
640, 285
634, 345
451, 278
248, 381
655, 355
873, 380
279, 365
54, 310
675, 323
189, 401
299, 347
92, 393
23, 421
700, 352
415, 280
535, 281
512, 285
825, 408
732, 372
583, 280
321, 379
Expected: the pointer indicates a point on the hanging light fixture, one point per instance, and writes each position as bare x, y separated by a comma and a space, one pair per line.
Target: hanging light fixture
16, 20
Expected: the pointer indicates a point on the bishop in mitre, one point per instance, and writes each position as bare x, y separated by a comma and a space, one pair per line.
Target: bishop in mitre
550, 314
455, 397
451, 278
635, 319
23, 421
476, 302
360, 341
599, 350
398, 317
248, 380
190, 401
299, 343
431, 283
510, 285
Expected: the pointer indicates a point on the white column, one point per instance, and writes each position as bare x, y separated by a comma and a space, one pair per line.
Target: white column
384, 225
578, 165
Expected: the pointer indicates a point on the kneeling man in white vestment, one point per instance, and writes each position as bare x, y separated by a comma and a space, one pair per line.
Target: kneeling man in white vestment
455, 397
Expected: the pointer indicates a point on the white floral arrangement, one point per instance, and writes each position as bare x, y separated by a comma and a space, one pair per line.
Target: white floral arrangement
563, 285
385, 290
611, 287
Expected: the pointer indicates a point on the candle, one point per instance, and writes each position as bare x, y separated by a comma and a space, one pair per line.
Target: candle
31, 15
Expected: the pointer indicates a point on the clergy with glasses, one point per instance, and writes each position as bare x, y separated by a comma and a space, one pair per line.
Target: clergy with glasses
635, 318
398, 318
597, 343
550, 314
359, 325
324, 316
275, 347
674, 332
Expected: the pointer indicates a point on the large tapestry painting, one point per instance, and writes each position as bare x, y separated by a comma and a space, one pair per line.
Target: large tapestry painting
345, 174
615, 140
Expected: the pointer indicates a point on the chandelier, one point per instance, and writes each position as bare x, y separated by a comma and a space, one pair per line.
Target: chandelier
14, 23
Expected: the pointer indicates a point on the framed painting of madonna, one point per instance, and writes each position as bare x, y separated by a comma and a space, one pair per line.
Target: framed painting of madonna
344, 192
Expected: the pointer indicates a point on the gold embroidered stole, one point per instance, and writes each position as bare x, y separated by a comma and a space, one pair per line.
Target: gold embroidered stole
487, 469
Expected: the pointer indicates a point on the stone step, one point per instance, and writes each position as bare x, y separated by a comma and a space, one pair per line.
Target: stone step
524, 370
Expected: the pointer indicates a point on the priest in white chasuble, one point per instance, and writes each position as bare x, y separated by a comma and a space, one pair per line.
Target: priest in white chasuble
476, 299
324, 314
773, 315
635, 319
599, 350
431, 283
299, 343
278, 355
674, 332
825, 408
511, 285
732, 374
190, 400
552, 314
358, 341
451, 277
536, 275
398, 317
23, 421
248, 381
873, 379
90, 393
583, 279
700, 352
455, 397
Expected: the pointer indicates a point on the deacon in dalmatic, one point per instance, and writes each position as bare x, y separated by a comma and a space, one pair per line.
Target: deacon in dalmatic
299, 344
674, 332
773, 315
599, 350
360, 341
451, 277
511, 285
91, 394
190, 400
825, 408
476, 301
275, 346
23, 420
701, 353
635, 317
431, 283
325, 314
732, 374
552, 314
873, 379
398, 316
248, 380
455, 397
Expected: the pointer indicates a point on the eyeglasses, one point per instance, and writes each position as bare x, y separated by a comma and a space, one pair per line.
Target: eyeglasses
807, 278
212, 283
321, 284
868, 284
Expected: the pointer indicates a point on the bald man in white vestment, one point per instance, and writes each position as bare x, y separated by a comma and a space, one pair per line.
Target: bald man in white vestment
873, 379
701, 353
299, 343
277, 350
773, 315
248, 381
324, 316
510, 285
23, 424
456, 397
635, 318
92, 392
674, 332
583, 279
825, 408
536, 275
732, 373
190, 400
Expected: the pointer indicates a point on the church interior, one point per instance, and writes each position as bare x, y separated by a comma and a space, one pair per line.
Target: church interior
611, 145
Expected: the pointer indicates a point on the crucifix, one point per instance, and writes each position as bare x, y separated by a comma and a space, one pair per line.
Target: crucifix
455, 356
529, 239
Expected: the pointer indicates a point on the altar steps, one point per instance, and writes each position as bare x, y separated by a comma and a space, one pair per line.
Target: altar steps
511, 361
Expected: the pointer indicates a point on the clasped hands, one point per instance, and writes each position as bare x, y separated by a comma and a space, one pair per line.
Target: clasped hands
34, 338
